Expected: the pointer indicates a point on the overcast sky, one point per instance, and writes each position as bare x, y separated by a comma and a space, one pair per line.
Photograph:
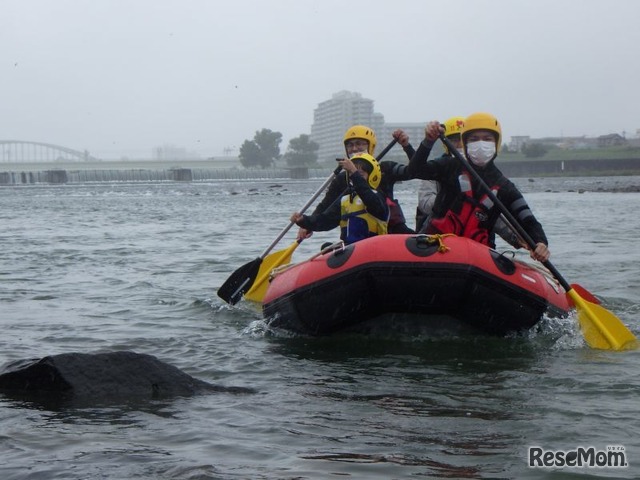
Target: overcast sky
120, 77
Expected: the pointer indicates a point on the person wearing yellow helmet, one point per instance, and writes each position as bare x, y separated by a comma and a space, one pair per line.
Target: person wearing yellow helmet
462, 207
362, 211
428, 189
358, 139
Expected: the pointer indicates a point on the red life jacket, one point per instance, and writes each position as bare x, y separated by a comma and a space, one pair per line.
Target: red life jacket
471, 219
396, 216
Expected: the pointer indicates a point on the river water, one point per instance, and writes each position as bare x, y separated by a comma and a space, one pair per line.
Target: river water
102, 267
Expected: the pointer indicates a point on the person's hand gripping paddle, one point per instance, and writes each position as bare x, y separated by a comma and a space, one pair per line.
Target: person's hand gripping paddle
252, 278
600, 328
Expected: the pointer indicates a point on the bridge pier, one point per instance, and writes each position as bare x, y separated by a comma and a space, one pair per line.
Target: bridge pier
56, 176
181, 174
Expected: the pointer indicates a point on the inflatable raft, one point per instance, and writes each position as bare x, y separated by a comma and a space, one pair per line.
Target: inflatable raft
431, 276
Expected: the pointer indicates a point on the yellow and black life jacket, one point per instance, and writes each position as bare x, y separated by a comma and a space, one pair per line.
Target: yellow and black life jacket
356, 223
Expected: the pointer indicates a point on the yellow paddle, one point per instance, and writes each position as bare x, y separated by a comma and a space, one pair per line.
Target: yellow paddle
240, 281
282, 257
269, 263
600, 328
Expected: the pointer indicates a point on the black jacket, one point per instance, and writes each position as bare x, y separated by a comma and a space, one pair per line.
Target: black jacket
446, 171
329, 218
392, 172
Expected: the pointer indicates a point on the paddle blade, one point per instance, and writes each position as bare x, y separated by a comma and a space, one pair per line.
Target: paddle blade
601, 328
239, 282
584, 293
259, 288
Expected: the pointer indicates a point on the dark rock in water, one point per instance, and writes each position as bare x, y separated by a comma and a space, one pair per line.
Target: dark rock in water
101, 377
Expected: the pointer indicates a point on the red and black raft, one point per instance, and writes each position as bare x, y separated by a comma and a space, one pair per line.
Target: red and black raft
431, 276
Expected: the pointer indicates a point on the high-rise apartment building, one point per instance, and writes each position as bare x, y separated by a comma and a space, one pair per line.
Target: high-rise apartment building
333, 117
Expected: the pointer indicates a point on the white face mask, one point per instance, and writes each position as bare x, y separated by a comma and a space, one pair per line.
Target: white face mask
481, 152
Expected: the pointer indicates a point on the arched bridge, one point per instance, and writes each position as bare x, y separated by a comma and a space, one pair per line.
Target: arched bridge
17, 151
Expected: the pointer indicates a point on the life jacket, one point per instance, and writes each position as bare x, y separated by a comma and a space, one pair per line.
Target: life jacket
356, 223
469, 216
396, 215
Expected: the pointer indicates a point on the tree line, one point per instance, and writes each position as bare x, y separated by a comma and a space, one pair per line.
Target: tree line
264, 150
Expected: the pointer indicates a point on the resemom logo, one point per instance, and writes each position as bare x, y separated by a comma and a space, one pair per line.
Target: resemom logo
613, 456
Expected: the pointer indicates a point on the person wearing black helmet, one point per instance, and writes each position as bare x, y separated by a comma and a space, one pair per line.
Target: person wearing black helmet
362, 211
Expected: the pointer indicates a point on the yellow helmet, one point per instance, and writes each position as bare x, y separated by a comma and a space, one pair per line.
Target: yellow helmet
453, 126
365, 133
482, 121
371, 166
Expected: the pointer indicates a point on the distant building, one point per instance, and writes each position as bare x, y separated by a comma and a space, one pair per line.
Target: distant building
564, 143
333, 117
171, 152
414, 130
611, 140
517, 142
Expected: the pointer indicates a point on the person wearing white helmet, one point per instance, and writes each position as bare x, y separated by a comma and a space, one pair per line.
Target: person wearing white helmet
362, 211
462, 207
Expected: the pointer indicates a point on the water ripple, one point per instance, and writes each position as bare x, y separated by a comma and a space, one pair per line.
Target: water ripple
90, 268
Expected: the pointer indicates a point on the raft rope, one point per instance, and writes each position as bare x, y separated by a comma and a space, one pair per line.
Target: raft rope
436, 238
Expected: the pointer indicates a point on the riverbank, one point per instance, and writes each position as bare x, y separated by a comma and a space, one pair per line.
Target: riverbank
579, 184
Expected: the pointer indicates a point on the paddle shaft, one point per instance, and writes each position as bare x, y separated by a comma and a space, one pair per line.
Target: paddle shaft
510, 218
317, 194
240, 281
386, 149
302, 210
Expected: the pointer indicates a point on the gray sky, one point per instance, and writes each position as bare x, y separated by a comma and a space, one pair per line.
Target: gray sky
119, 77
